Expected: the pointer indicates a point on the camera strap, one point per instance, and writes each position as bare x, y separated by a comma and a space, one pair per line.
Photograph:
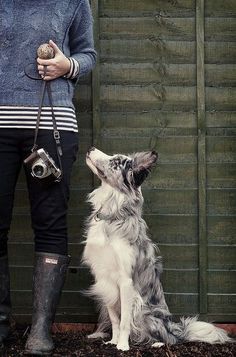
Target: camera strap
56, 133
39, 116
47, 87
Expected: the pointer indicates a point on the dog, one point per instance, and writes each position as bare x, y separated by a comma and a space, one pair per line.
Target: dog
126, 264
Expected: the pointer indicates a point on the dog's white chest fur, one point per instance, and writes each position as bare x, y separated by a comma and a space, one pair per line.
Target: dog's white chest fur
109, 256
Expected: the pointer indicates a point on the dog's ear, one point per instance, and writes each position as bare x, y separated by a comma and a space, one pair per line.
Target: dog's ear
143, 162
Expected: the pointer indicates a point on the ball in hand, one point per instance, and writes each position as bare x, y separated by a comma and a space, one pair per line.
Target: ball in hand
45, 51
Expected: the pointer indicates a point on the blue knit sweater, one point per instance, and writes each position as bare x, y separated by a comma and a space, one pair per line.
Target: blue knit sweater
26, 24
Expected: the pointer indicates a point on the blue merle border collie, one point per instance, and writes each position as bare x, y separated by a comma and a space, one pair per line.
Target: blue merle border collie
125, 262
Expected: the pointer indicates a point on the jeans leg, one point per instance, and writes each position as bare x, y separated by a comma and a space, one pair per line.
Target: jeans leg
10, 164
49, 203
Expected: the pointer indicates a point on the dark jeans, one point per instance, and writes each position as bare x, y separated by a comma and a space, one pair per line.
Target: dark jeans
48, 202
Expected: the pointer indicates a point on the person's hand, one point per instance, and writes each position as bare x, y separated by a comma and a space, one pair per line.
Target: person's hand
56, 67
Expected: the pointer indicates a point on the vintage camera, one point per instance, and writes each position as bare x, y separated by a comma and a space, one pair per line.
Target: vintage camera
42, 165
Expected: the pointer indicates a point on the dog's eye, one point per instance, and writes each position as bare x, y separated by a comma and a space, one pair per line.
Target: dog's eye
127, 164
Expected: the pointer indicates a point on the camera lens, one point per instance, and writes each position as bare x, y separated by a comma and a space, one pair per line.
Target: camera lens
38, 170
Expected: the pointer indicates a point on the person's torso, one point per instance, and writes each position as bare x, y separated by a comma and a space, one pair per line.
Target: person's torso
24, 25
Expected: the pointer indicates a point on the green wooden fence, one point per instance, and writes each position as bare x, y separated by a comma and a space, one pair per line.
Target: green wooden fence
165, 79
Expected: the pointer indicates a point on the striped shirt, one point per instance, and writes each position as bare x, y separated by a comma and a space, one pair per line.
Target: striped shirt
74, 68
25, 118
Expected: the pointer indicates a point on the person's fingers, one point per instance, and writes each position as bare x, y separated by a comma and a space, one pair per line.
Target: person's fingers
42, 69
46, 69
47, 78
45, 62
49, 74
55, 47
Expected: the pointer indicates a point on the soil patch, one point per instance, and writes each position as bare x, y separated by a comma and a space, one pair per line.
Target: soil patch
76, 344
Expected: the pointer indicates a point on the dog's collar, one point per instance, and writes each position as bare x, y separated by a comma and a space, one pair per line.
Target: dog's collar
102, 217
99, 216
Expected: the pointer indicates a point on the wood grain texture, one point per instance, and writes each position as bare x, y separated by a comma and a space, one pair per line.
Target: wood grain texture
120, 8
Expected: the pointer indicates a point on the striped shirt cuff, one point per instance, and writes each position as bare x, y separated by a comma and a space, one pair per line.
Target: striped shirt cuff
74, 69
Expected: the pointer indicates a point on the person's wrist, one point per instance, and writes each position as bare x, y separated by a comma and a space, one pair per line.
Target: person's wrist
67, 67
74, 69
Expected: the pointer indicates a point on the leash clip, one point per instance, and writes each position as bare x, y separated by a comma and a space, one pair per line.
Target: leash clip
34, 148
56, 134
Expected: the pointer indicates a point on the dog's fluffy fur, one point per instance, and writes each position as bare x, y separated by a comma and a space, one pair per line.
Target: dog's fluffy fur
125, 262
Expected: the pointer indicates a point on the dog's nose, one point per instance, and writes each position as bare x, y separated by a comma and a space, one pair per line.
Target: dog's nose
92, 148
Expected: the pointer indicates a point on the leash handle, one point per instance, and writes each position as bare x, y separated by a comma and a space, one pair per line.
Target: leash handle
45, 51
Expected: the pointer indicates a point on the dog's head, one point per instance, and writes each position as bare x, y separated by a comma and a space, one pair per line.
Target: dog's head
120, 171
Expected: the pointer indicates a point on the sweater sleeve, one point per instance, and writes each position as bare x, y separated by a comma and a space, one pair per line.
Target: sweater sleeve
81, 39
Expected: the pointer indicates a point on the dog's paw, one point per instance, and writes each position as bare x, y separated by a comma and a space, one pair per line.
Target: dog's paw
158, 344
123, 346
111, 342
98, 335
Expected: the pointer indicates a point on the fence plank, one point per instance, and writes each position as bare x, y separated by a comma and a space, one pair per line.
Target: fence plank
221, 149
167, 74
220, 29
221, 175
220, 8
222, 257
163, 228
136, 98
143, 27
221, 119
220, 75
171, 149
147, 73
150, 119
217, 29
220, 52
221, 230
173, 176
224, 304
183, 8
221, 201
151, 50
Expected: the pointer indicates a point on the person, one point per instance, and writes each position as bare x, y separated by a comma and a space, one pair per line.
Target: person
68, 28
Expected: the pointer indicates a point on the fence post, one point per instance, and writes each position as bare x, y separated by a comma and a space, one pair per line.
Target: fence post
96, 77
201, 122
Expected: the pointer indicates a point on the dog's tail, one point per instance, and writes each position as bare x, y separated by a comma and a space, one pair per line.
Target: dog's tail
156, 327
190, 329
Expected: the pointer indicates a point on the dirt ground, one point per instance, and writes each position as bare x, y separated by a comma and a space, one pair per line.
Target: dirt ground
71, 344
